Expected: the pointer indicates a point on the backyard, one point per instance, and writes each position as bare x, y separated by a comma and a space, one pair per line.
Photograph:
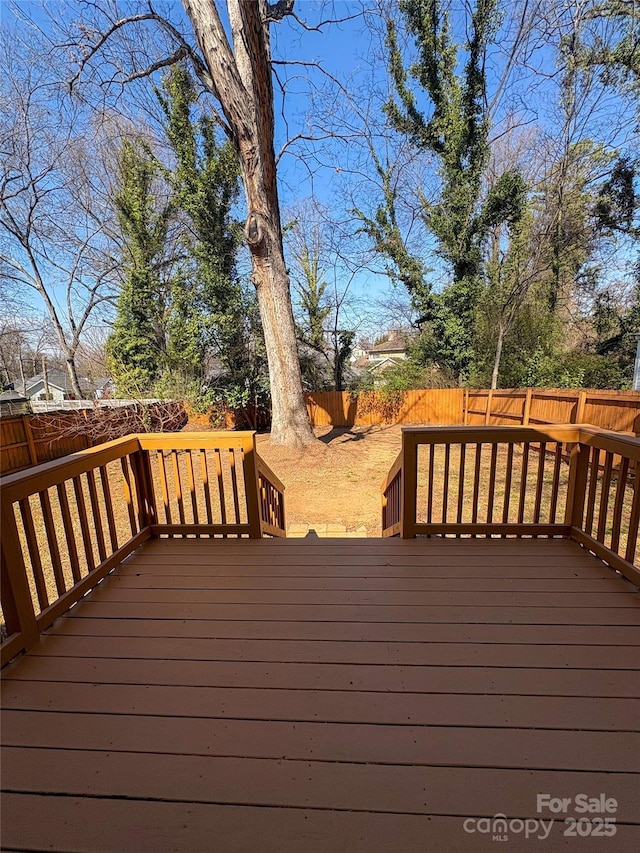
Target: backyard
338, 480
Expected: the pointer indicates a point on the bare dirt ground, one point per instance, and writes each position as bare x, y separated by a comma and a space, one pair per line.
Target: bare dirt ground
338, 480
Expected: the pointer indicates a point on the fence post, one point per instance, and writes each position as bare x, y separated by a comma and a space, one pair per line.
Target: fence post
465, 407
33, 450
487, 414
526, 409
577, 486
409, 485
17, 603
579, 410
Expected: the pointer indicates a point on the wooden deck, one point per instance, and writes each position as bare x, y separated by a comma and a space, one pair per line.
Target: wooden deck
311, 696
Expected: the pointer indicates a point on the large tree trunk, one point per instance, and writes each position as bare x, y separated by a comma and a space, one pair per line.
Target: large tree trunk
241, 81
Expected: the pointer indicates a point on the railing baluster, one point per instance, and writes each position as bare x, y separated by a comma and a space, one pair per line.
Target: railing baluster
106, 491
34, 553
69, 531
128, 494
97, 519
542, 450
507, 484
492, 482
445, 487
593, 487
432, 451
192, 486
621, 488
52, 541
84, 523
604, 497
476, 484
205, 484
523, 482
221, 495
178, 485
162, 473
463, 449
555, 483
234, 484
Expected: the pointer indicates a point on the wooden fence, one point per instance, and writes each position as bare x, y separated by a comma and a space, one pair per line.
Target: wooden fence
614, 410
31, 439
367, 408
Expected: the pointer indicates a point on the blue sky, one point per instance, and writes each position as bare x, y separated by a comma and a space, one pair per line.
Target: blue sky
347, 51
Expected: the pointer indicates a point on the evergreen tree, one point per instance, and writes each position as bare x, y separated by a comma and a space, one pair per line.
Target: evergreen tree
136, 346
210, 305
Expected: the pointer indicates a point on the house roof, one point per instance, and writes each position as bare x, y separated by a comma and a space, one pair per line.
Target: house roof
57, 378
395, 345
12, 396
384, 364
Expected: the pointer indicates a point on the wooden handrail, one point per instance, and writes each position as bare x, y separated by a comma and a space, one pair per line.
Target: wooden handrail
268, 473
604, 473
47, 474
62, 532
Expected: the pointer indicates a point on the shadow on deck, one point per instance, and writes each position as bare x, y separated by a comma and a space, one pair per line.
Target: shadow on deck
331, 695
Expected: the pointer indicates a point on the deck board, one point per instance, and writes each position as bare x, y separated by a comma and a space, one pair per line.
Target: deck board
345, 695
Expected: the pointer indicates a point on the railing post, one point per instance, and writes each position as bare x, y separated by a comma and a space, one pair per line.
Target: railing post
141, 467
252, 486
17, 603
409, 485
577, 486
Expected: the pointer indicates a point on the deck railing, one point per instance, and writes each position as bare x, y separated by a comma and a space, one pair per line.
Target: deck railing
66, 524
516, 481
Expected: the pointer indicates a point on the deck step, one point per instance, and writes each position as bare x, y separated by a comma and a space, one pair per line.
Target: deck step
325, 531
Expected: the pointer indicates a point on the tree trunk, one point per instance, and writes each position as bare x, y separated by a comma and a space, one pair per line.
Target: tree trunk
73, 376
498, 357
241, 81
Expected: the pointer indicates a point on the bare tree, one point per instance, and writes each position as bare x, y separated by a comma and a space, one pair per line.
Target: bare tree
52, 222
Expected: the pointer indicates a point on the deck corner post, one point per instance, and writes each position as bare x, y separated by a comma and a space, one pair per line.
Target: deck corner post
408, 485
252, 486
141, 467
577, 486
17, 602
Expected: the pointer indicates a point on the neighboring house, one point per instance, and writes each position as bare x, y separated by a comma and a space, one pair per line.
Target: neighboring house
60, 387
389, 352
378, 358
